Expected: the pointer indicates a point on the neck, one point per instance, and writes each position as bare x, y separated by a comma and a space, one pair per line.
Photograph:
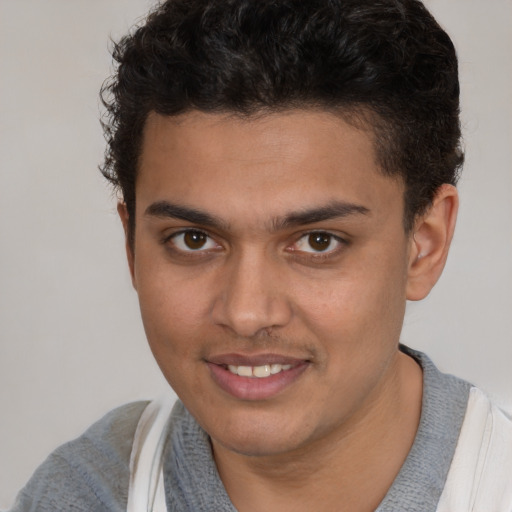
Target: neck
349, 469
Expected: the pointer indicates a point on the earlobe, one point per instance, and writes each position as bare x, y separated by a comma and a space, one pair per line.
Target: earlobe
430, 243
125, 219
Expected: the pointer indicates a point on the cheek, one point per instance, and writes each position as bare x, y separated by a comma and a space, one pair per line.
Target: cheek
357, 310
173, 317
173, 309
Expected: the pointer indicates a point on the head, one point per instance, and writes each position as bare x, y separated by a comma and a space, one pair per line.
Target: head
386, 65
286, 172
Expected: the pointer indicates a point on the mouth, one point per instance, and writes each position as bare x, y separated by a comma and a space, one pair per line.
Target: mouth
258, 377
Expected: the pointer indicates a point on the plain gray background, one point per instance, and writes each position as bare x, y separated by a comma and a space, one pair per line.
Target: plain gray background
71, 341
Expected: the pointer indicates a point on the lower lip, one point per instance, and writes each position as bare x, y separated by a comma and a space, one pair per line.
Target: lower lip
254, 388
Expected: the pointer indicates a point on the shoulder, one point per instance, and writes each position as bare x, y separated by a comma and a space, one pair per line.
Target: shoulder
88, 473
480, 476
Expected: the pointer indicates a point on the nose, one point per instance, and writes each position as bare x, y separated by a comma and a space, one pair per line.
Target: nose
252, 297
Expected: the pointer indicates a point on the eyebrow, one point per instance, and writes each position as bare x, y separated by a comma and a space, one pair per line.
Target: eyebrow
331, 211
165, 209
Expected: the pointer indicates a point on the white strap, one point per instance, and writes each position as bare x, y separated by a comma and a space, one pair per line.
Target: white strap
480, 476
146, 490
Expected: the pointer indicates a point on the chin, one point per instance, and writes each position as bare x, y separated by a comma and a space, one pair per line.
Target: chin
259, 446
273, 437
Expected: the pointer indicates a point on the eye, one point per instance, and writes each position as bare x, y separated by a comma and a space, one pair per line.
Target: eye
318, 242
192, 240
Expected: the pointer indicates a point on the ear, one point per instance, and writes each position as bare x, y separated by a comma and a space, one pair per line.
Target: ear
430, 242
124, 216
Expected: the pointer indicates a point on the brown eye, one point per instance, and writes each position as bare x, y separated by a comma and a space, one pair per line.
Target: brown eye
319, 241
195, 239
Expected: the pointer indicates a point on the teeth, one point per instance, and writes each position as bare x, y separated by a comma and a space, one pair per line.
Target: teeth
258, 371
261, 371
244, 371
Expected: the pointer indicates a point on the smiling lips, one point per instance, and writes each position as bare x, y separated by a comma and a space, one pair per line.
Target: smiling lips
257, 377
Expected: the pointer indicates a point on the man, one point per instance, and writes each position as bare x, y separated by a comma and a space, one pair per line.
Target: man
288, 175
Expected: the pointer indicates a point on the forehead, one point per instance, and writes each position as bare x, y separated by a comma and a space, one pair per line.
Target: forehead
298, 133
263, 163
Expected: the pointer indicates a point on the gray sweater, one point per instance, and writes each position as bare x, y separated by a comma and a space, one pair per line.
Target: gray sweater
91, 473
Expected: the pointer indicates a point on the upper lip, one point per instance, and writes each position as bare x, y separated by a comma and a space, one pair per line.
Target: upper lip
253, 360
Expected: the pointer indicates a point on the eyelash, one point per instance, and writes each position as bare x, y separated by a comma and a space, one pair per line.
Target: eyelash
170, 242
320, 255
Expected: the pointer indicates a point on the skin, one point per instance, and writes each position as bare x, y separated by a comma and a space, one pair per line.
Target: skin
337, 435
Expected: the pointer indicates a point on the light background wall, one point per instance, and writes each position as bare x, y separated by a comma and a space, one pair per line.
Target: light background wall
71, 342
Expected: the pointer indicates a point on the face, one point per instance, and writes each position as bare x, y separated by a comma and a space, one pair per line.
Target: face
271, 263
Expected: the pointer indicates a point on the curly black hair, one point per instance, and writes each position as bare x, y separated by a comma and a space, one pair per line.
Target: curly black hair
386, 61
